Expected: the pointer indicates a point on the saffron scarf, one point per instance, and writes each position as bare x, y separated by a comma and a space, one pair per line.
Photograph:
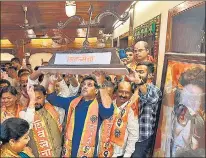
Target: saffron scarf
120, 125
121, 120
107, 139
41, 133
88, 138
5, 114
106, 148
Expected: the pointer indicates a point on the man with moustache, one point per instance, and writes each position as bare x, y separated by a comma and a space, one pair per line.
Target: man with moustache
149, 98
125, 130
84, 116
46, 128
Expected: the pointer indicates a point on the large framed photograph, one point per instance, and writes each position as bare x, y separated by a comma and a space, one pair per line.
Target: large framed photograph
181, 128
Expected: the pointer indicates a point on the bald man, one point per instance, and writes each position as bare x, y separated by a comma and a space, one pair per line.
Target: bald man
141, 53
125, 129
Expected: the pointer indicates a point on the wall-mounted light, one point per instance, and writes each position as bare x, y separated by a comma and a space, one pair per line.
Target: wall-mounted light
70, 8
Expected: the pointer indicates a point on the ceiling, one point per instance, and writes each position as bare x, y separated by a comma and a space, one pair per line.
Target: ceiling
48, 14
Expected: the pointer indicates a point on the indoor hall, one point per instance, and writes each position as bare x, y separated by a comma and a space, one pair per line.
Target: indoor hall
146, 63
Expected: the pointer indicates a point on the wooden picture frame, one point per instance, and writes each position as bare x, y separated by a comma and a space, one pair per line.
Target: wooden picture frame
175, 66
187, 5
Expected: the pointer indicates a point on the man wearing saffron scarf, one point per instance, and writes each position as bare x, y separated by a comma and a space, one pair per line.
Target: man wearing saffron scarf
46, 130
125, 130
84, 116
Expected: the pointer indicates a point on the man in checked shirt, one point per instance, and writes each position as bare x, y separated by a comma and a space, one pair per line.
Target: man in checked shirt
150, 96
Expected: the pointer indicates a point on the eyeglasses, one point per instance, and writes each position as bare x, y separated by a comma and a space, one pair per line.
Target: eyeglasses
139, 50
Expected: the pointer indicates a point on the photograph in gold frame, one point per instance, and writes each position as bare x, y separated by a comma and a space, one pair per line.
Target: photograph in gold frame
181, 127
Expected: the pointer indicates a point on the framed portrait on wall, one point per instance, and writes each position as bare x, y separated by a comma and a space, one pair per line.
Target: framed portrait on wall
181, 128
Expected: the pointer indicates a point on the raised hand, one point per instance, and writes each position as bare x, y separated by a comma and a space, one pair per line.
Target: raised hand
134, 77
31, 93
57, 78
4, 75
100, 77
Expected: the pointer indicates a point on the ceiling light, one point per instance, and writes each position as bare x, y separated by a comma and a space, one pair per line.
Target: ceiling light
70, 8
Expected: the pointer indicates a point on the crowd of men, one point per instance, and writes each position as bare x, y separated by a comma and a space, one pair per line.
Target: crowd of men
94, 115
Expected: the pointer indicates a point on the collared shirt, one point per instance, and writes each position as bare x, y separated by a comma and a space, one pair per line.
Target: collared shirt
147, 111
131, 133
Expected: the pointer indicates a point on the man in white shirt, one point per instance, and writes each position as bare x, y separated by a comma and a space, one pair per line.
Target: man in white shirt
123, 107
